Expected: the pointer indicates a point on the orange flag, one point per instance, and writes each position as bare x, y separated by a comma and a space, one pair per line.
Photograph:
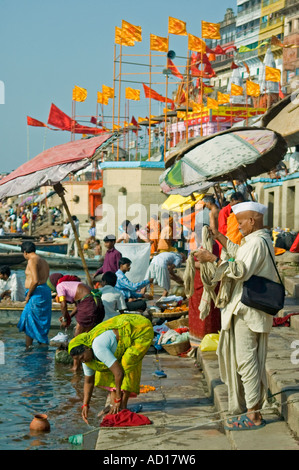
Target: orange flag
223, 98
176, 27
236, 90
121, 38
272, 74
132, 94
35, 122
196, 44
210, 30
132, 31
79, 94
252, 89
108, 91
158, 43
103, 99
212, 104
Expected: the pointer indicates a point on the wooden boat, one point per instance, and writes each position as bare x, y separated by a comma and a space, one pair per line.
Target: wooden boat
11, 259
48, 246
10, 313
56, 260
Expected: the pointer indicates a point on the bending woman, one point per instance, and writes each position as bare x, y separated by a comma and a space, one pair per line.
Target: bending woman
112, 354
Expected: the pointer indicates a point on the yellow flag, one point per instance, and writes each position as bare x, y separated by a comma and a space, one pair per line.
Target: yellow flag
116, 127
210, 30
108, 91
272, 74
140, 119
176, 27
236, 90
132, 31
212, 104
207, 89
196, 44
158, 43
223, 98
121, 38
252, 89
102, 99
196, 107
181, 114
132, 94
79, 94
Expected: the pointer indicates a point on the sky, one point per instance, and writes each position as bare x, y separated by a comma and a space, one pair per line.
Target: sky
49, 47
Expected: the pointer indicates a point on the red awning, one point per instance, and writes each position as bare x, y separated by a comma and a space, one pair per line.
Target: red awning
58, 155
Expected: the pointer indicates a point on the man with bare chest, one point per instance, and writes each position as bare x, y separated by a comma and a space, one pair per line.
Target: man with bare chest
35, 319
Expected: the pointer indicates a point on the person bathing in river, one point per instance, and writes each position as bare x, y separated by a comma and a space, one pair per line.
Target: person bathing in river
35, 319
88, 310
112, 355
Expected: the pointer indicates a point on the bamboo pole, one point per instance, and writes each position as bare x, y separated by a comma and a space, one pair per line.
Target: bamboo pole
119, 93
60, 191
150, 105
187, 102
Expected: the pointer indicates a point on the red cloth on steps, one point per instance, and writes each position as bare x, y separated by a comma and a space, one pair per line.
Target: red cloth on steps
125, 418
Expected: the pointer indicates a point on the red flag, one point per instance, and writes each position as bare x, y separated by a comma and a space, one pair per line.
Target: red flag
61, 120
135, 123
173, 69
218, 50
150, 93
281, 95
234, 66
209, 71
35, 122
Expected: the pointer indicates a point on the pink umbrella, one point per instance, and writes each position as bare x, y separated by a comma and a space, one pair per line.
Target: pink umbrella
50, 168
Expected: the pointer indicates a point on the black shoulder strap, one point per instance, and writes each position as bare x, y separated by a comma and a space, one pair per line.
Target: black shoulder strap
273, 261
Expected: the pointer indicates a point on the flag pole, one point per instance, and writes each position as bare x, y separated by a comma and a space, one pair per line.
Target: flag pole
119, 92
58, 188
201, 87
28, 152
187, 103
166, 102
246, 108
150, 104
113, 103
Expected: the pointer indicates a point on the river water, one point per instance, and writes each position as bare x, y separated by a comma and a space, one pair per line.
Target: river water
32, 382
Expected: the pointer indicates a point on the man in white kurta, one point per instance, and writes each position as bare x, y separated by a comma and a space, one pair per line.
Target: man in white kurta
244, 334
11, 286
162, 267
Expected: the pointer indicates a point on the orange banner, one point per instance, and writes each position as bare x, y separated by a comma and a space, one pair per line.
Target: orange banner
223, 98
132, 31
158, 43
236, 90
132, 94
252, 89
210, 30
196, 44
102, 99
212, 104
79, 94
108, 91
272, 74
121, 39
176, 26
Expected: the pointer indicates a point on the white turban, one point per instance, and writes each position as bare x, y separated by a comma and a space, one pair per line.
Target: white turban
249, 206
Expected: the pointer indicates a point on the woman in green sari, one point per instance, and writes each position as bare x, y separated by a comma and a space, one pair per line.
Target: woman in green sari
112, 354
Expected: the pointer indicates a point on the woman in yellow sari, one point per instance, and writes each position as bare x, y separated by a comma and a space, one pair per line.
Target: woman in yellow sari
112, 354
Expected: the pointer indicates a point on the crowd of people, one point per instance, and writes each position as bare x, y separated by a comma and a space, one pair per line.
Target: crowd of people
113, 333
17, 219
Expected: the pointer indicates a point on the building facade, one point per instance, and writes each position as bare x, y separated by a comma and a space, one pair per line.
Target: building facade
290, 76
